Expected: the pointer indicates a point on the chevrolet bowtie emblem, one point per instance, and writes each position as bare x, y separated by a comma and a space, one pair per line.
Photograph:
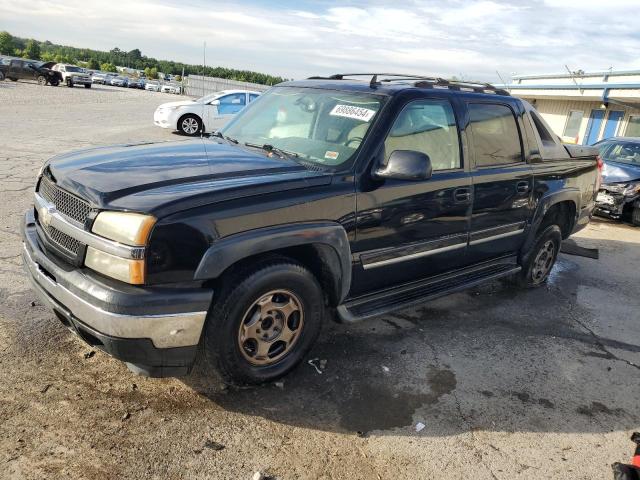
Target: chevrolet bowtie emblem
45, 214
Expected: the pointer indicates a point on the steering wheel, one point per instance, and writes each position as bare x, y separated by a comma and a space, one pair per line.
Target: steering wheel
354, 139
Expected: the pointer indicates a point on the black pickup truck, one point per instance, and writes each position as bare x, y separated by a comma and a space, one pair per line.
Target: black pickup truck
22, 69
328, 195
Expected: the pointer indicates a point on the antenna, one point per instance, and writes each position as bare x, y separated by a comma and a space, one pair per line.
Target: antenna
572, 74
502, 80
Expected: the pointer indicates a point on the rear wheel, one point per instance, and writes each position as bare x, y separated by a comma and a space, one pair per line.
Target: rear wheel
538, 261
190, 125
69, 83
42, 80
635, 216
1, 76
87, 85
263, 323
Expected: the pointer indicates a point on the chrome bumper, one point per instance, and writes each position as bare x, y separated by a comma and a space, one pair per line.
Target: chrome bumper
164, 330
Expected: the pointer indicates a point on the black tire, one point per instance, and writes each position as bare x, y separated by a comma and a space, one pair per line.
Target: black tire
538, 261
87, 85
1, 76
13, 79
42, 80
190, 125
635, 216
69, 83
54, 83
221, 349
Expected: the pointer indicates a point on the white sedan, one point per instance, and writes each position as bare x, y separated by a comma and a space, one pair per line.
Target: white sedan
206, 114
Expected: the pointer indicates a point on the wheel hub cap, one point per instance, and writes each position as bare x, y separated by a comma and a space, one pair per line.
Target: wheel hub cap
190, 125
271, 327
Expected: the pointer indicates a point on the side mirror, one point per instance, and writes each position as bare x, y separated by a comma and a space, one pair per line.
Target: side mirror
406, 165
215, 102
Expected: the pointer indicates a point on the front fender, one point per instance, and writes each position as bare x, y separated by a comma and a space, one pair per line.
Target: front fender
229, 250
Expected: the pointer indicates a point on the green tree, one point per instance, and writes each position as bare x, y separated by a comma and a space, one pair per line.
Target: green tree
178, 78
32, 50
7, 46
93, 64
108, 67
151, 73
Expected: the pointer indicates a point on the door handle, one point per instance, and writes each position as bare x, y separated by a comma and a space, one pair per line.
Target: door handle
462, 195
522, 187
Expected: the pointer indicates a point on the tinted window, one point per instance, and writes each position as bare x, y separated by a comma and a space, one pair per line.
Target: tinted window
252, 97
426, 126
496, 139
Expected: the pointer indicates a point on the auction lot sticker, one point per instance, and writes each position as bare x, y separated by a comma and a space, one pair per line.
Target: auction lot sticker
358, 113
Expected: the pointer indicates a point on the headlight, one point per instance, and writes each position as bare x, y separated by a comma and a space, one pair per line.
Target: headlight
41, 171
128, 228
130, 271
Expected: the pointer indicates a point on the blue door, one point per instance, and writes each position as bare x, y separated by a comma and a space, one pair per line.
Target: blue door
593, 127
611, 127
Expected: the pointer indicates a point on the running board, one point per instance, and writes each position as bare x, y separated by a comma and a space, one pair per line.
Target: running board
408, 295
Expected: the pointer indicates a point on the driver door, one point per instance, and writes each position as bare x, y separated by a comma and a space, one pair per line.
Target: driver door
413, 229
221, 110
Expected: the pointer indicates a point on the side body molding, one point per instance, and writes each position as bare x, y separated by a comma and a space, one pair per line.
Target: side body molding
228, 250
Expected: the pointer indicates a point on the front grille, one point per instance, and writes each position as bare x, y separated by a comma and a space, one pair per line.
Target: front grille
67, 204
64, 241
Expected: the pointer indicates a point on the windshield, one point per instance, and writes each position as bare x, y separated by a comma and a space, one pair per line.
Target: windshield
323, 126
623, 152
71, 68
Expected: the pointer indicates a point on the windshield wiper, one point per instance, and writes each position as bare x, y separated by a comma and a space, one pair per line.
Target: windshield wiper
218, 134
270, 148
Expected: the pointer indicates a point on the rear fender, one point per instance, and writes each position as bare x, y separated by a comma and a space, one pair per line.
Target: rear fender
545, 204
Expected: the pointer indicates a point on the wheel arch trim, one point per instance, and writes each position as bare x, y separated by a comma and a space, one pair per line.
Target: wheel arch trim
229, 250
544, 205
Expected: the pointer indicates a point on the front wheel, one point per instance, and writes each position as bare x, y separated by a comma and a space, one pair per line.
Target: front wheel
1, 76
42, 80
54, 83
261, 325
87, 85
13, 79
69, 83
538, 261
190, 125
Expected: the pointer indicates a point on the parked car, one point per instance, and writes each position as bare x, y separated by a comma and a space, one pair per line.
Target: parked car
73, 75
99, 77
206, 114
619, 195
170, 88
21, 69
152, 86
136, 83
119, 81
325, 195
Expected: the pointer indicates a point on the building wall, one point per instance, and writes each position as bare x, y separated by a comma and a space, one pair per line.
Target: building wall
556, 113
197, 85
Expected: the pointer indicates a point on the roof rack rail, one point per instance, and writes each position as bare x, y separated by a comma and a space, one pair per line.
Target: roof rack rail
420, 81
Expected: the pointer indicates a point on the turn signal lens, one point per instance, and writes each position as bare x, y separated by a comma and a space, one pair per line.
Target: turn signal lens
124, 269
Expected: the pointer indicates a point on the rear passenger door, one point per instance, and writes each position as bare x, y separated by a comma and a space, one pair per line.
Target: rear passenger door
502, 180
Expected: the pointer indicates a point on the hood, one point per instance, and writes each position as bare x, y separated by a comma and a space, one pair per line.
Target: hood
182, 103
164, 177
617, 172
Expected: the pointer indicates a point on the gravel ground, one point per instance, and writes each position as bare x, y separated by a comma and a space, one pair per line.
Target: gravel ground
509, 384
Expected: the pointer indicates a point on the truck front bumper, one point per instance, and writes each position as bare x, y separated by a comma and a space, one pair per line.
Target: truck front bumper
155, 330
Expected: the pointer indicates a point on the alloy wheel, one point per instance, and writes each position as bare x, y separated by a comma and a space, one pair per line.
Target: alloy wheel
189, 125
271, 327
543, 261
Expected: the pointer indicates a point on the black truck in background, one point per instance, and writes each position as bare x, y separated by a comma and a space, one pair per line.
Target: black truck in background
328, 195
22, 69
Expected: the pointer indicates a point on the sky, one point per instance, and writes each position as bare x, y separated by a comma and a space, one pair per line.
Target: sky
297, 39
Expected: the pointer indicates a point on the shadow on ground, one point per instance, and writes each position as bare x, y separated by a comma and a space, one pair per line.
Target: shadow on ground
495, 357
